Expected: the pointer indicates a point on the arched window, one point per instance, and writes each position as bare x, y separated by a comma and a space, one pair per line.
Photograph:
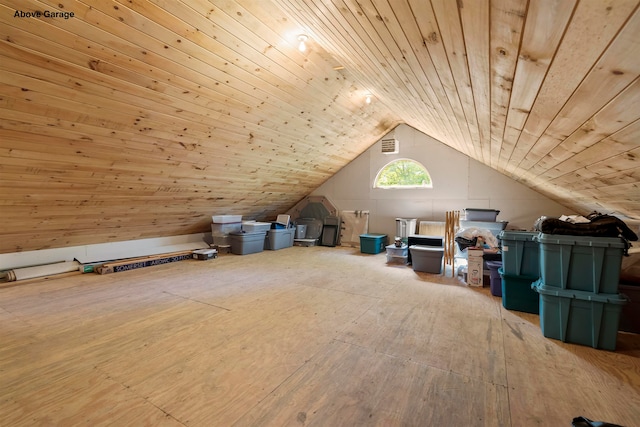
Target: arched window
403, 173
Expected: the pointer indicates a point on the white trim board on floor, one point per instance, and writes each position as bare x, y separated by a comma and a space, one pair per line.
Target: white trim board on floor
88, 254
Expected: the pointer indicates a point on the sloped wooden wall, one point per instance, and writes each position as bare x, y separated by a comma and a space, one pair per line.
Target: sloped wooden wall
135, 119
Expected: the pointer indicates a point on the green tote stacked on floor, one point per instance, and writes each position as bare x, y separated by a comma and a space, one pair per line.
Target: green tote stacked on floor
520, 268
578, 287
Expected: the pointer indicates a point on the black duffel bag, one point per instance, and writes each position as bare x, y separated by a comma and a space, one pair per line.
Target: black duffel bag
586, 422
599, 225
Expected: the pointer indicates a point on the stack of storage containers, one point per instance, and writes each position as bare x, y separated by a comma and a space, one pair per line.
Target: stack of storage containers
397, 254
578, 287
421, 241
222, 225
520, 268
484, 219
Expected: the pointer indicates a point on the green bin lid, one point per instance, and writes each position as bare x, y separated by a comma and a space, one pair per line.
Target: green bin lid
517, 235
539, 287
516, 276
567, 239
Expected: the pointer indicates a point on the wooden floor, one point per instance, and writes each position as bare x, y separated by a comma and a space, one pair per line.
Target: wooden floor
303, 336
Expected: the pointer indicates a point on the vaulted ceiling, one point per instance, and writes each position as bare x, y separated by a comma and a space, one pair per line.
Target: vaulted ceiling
125, 119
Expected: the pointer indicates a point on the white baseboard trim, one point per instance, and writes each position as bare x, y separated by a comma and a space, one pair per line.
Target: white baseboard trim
88, 254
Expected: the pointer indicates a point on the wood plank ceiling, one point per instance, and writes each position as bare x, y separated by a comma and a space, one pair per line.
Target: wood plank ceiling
136, 118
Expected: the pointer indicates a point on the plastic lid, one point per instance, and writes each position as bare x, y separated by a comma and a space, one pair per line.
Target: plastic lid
517, 235
539, 287
517, 276
427, 248
247, 233
562, 239
481, 210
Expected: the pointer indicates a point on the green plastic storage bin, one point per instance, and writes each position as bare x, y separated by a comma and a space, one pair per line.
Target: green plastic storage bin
517, 293
580, 317
520, 253
581, 263
372, 243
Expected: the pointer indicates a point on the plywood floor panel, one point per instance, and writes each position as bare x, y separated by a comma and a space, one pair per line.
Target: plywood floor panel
433, 332
85, 396
349, 385
300, 336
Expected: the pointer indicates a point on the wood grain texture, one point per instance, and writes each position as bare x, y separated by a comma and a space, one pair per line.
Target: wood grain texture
142, 119
298, 336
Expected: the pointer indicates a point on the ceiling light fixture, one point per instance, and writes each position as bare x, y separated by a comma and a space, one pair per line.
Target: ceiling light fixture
302, 38
367, 98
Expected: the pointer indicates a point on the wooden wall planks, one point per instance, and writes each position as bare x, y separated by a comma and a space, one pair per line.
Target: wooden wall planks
138, 119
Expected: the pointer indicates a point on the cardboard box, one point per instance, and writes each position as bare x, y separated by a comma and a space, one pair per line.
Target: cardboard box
475, 263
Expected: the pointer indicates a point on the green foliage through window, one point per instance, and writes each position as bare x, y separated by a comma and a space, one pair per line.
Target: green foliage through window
403, 173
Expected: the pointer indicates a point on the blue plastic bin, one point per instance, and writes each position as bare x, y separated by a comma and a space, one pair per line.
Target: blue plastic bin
495, 281
372, 243
520, 253
581, 263
580, 317
517, 293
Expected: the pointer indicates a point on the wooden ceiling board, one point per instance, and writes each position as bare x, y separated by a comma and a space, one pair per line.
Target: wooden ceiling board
619, 113
614, 71
137, 119
455, 78
596, 22
544, 28
507, 19
476, 24
364, 60
411, 48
